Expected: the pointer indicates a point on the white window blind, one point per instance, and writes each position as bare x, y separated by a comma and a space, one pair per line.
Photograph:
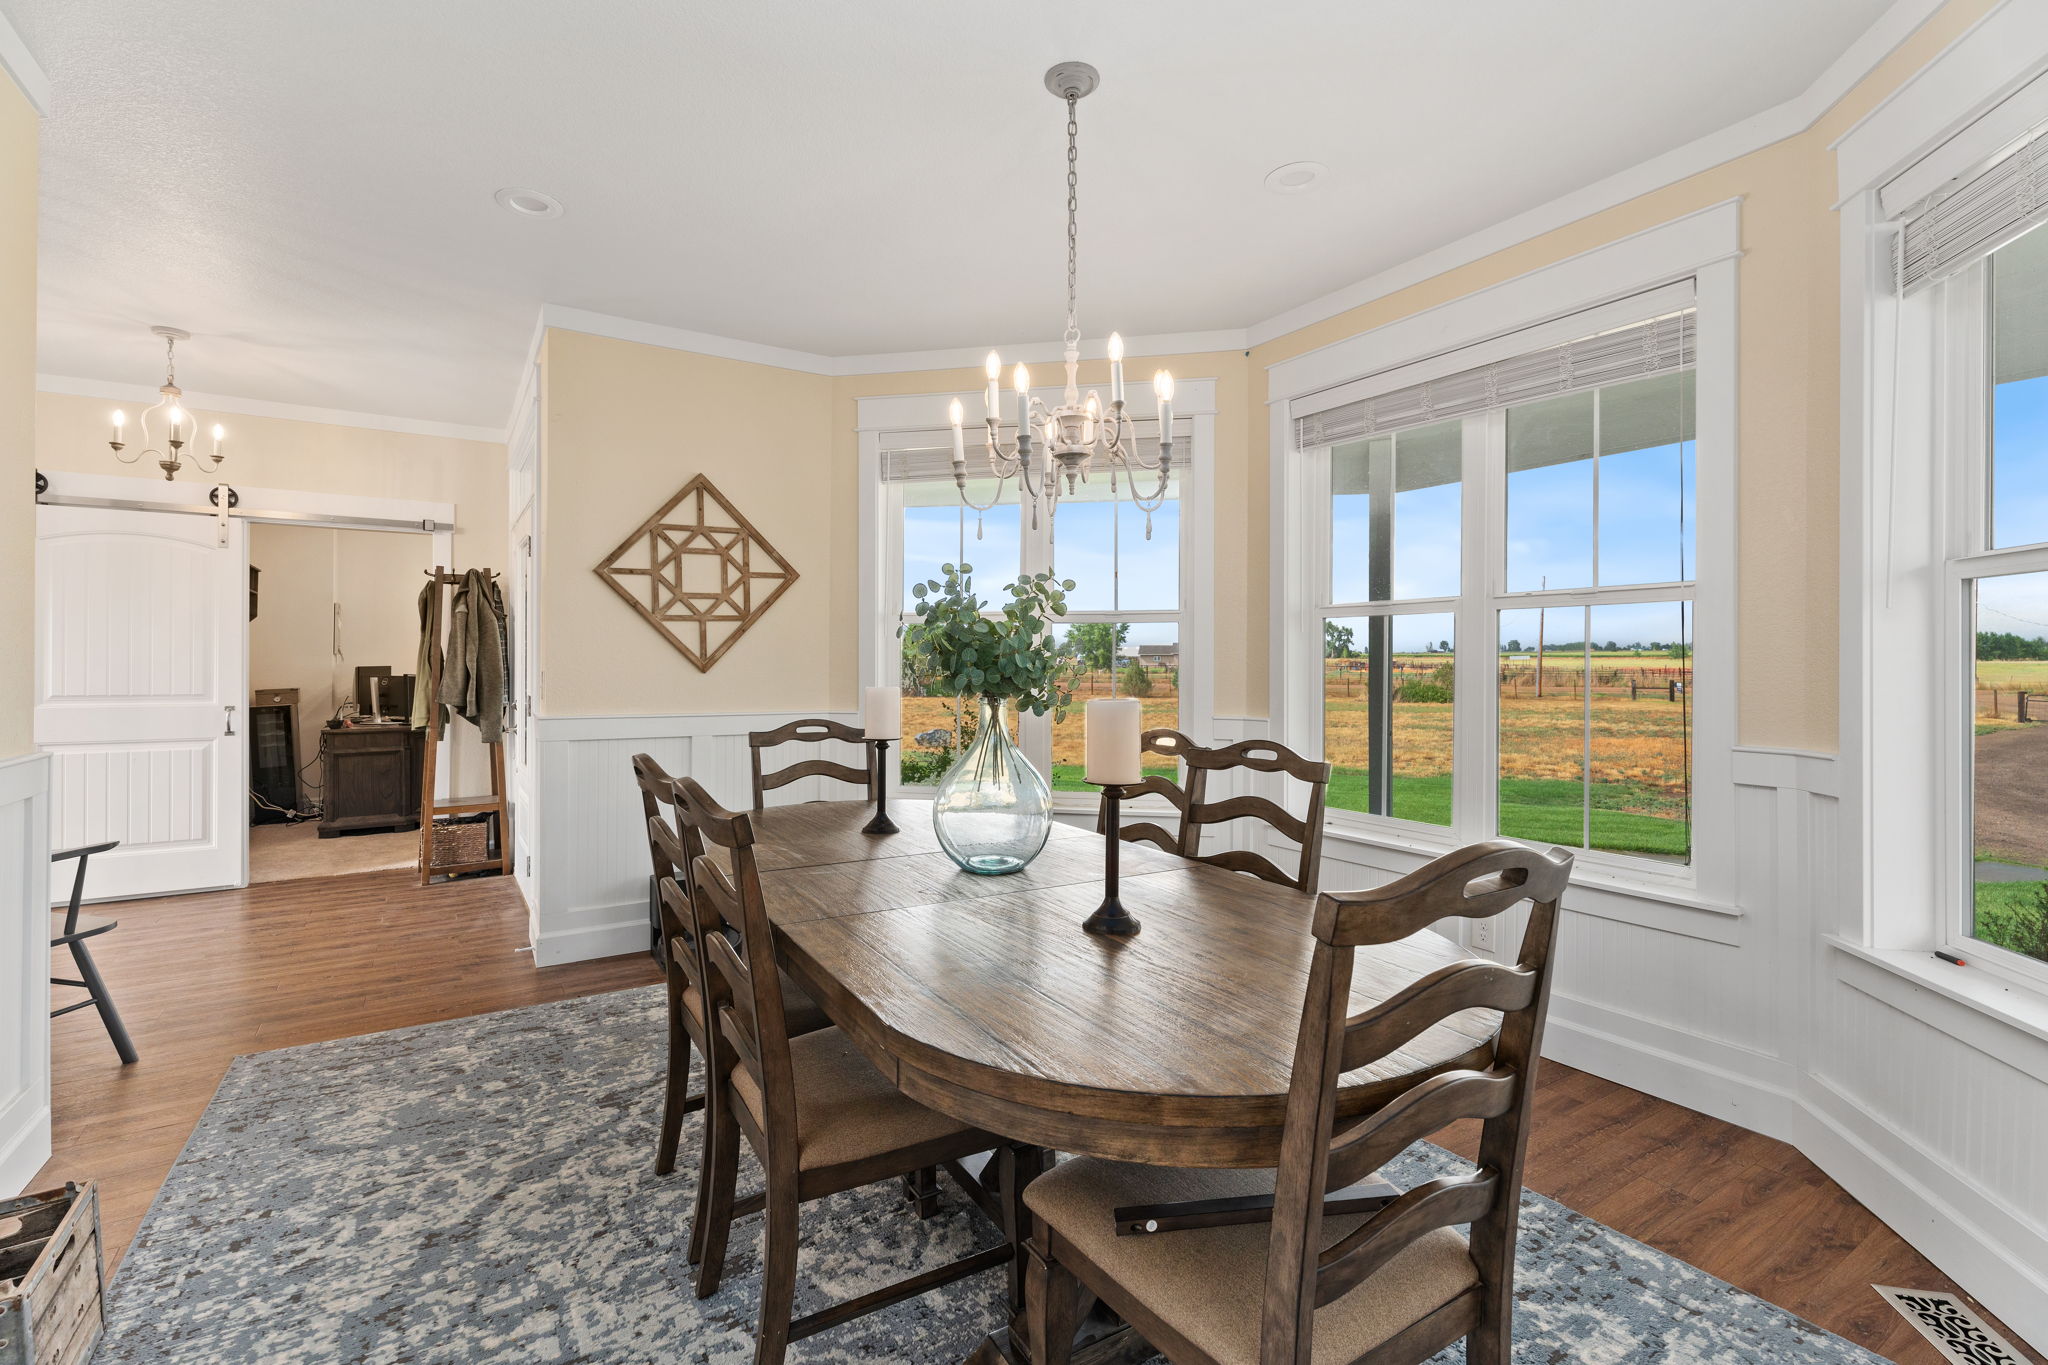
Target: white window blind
1645, 348
1973, 215
921, 456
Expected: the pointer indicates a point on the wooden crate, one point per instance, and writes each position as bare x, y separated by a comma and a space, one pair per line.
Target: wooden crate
52, 1280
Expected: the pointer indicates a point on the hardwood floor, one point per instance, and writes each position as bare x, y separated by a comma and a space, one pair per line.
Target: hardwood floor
203, 979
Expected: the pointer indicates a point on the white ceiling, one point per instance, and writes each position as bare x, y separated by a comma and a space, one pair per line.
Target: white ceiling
307, 187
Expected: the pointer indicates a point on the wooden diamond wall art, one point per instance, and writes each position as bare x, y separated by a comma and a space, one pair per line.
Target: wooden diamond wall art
699, 572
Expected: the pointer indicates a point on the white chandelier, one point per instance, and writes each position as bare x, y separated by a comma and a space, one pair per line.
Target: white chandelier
1079, 430
170, 411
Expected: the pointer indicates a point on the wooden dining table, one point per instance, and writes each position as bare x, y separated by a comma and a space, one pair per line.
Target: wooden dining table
983, 998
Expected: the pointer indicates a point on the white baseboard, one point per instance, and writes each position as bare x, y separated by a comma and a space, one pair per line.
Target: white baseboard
600, 931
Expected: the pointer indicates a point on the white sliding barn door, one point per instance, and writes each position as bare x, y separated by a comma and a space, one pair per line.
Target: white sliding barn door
141, 695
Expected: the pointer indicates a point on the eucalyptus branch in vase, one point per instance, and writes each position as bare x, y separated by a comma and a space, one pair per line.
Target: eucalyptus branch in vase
992, 809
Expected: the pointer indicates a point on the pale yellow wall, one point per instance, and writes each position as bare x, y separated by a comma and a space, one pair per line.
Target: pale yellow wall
624, 427
17, 417
1789, 428
313, 457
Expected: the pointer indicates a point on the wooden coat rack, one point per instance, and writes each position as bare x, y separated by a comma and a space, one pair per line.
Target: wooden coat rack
430, 807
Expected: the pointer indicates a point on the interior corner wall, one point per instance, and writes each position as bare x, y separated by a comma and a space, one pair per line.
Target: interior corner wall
24, 774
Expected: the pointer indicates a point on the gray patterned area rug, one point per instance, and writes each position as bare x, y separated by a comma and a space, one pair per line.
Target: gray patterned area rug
483, 1191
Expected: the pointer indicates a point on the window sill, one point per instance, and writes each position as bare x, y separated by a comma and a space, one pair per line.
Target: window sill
1969, 1004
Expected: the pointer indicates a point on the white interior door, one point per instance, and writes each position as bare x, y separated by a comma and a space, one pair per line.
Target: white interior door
141, 685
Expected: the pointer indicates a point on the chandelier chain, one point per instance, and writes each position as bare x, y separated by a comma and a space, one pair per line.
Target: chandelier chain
1073, 231
171, 361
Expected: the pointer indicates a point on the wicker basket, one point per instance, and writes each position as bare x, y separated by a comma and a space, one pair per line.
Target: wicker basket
456, 844
52, 1282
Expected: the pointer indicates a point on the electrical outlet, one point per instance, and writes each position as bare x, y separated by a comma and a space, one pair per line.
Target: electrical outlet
1482, 935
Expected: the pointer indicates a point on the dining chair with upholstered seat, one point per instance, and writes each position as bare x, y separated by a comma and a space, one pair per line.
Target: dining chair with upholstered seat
1259, 756
1246, 1267
1172, 744
810, 732
682, 959
817, 1115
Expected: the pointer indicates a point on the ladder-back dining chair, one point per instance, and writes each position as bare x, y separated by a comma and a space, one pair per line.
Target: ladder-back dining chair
1259, 756
669, 848
818, 1116
76, 931
810, 732
1172, 744
1302, 1263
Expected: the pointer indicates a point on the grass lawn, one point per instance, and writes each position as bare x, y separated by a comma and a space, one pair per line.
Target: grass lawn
2011, 915
1546, 811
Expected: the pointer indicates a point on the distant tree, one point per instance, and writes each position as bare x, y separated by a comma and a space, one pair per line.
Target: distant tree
1444, 646
1095, 643
1136, 682
1612, 648
1514, 646
1680, 651
1998, 644
1338, 641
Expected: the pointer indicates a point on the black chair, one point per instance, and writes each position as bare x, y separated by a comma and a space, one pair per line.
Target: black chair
74, 937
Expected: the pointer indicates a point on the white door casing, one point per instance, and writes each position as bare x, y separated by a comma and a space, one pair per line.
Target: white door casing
141, 694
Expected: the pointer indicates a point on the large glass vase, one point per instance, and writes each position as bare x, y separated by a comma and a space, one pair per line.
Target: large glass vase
992, 810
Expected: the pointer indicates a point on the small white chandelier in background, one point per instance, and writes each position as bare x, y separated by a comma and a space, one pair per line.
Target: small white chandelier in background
1079, 430
177, 423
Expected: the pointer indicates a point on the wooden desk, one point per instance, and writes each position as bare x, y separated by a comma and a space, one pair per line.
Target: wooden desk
983, 998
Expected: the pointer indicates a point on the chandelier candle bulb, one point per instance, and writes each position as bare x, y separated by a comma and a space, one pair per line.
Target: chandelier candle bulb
1115, 727
1116, 368
883, 713
959, 436
995, 376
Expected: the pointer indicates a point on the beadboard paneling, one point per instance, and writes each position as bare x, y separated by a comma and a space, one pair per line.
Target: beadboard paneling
589, 846
24, 970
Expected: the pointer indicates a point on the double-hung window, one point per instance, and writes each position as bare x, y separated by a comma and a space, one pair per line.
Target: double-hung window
1995, 320
1132, 627
1504, 570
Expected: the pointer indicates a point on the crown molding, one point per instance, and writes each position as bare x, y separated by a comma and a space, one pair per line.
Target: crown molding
893, 362
23, 69
259, 407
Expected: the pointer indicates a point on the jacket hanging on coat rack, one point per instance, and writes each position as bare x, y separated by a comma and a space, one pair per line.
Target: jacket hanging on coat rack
475, 672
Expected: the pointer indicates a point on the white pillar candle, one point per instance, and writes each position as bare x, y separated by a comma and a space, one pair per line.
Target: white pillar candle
1115, 727
883, 713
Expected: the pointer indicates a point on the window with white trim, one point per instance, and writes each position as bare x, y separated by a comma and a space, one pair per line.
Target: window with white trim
1996, 312
1503, 610
1125, 627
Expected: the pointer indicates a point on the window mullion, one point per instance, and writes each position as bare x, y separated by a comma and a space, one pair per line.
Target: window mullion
1475, 710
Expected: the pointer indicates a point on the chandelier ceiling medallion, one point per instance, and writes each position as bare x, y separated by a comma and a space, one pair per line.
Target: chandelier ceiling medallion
1080, 430
168, 414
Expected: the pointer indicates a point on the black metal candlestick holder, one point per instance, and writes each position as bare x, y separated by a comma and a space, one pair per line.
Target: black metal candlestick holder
1110, 917
881, 824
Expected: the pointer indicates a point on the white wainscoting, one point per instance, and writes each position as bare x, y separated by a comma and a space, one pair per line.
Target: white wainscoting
24, 970
589, 849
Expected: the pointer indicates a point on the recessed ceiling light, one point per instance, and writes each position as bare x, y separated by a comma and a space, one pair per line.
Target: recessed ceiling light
1295, 176
531, 203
